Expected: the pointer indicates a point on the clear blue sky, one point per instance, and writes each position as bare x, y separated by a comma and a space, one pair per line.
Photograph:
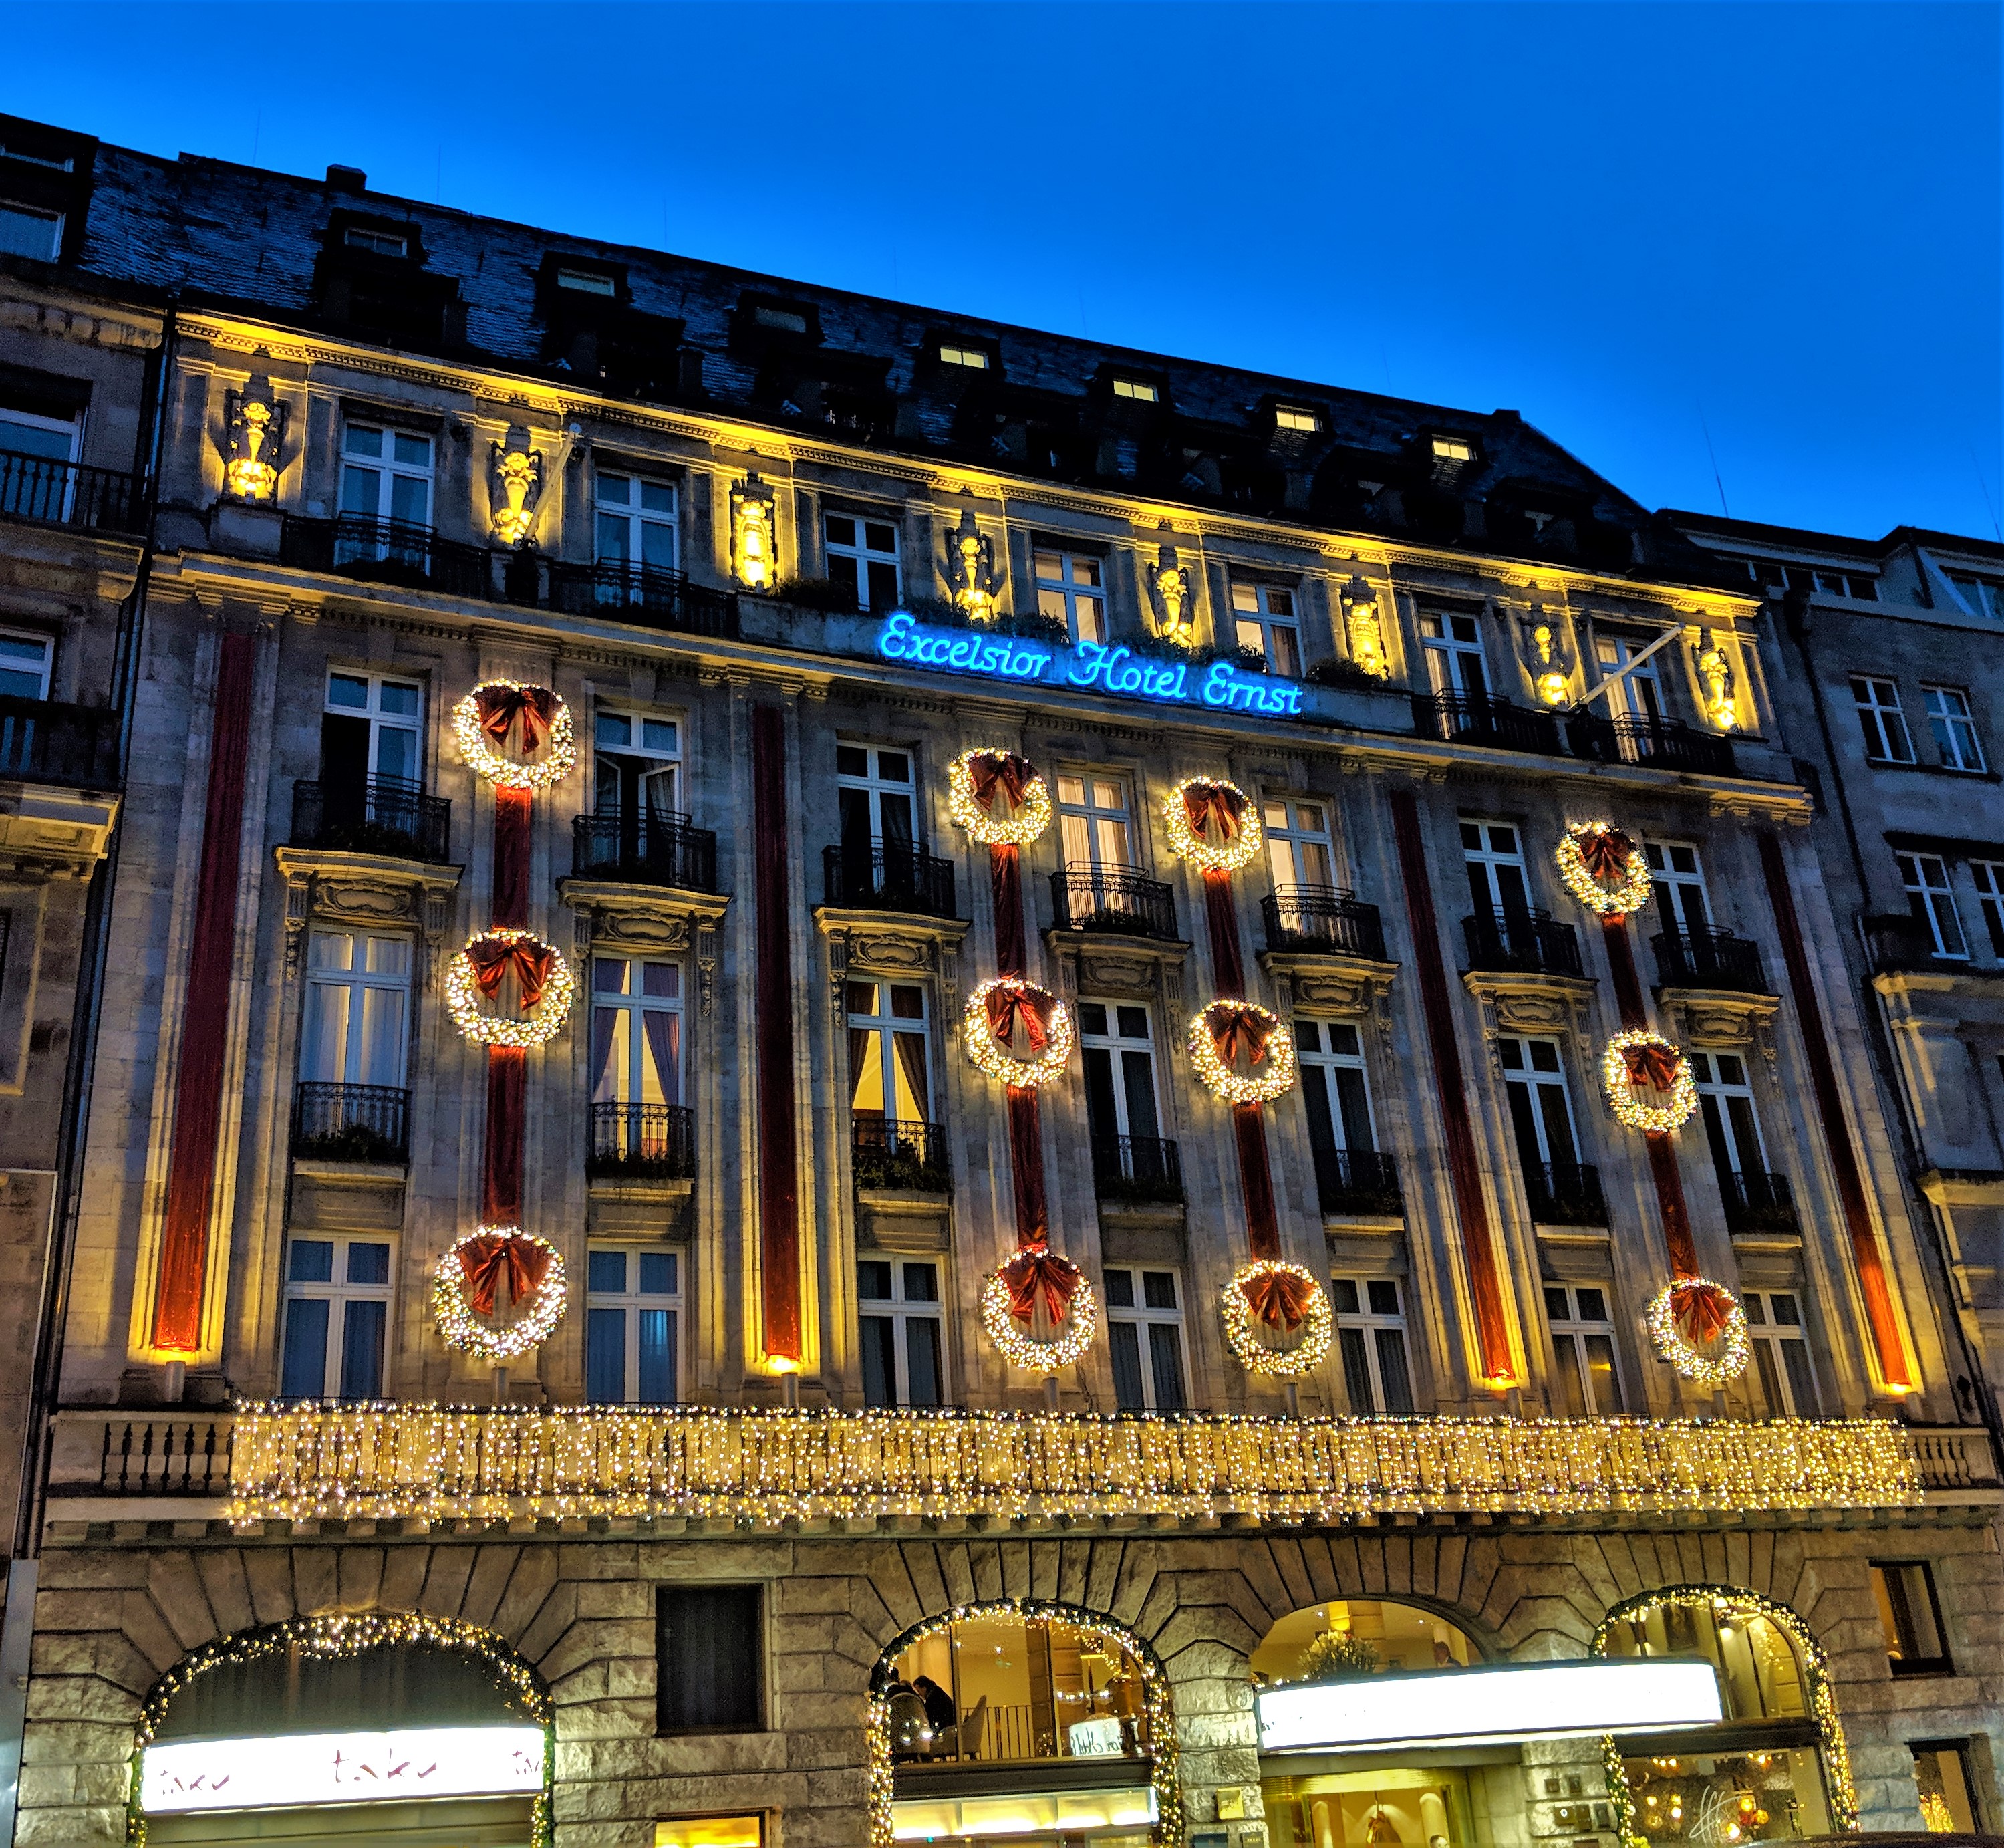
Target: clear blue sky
1630, 223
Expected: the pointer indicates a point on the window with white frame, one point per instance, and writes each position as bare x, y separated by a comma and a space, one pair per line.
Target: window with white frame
1266, 621
1298, 849
636, 767
1954, 727
385, 474
1334, 1088
27, 428
25, 661
632, 1317
637, 1031
29, 230
1452, 642
378, 244
1678, 882
862, 558
1983, 595
1880, 720
1144, 1338
1534, 1085
890, 1055
1494, 854
1117, 1054
875, 796
1095, 821
372, 726
357, 1009
1988, 875
1639, 694
1370, 1334
637, 529
1584, 1368
1071, 585
1453, 449
1781, 1352
902, 1338
1931, 898
337, 1311
1732, 1123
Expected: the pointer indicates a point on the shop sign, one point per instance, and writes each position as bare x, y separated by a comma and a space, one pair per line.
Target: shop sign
1488, 1706
322, 1768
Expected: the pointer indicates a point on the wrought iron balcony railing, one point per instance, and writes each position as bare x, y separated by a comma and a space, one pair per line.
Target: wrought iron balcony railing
889, 876
1661, 744
392, 552
1520, 943
889, 1152
1138, 1169
1084, 897
42, 740
377, 815
1758, 1201
351, 1123
1565, 1194
1707, 957
646, 597
645, 847
642, 1141
1323, 920
1482, 719
56, 493
1357, 1181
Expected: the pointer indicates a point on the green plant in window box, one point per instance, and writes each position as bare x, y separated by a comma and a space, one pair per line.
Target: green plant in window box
1337, 1656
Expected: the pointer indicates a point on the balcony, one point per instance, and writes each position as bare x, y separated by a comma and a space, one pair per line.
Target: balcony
1520, 943
1565, 1194
1113, 898
888, 1151
650, 848
1136, 1170
1482, 719
352, 1123
1358, 1181
647, 598
1756, 1202
1660, 744
384, 816
642, 1141
55, 493
1706, 958
1322, 920
389, 552
42, 741
888, 876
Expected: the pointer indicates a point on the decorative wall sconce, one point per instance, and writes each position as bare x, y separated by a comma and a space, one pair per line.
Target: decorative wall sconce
253, 440
1715, 668
970, 571
1172, 585
755, 543
1364, 629
1545, 654
515, 484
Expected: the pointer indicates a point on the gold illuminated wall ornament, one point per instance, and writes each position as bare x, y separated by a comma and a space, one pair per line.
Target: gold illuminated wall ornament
515, 486
755, 534
1364, 629
1172, 586
1715, 668
253, 440
971, 576
1545, 655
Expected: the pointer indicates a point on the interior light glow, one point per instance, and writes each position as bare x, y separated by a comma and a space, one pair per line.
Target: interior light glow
313, 1768
1022, 1812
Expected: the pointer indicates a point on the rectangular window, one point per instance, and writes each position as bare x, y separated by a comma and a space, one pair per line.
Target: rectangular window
1453, 644
1678, 882
889, 1054
862, 558
1266, 621
902, 1335
386, 474
636, 1031
1135, 389
1989, 877
34, 433
25, 662
1144, 1334
1984, 597
632, 1317
1639, 694
1954, 727
336, 1309
1330, 1054
1291, 417
29, 231
1094, 822
875, 793
1725, 1100
1453, 449
709, 1648
1494, 853
1781, 1352
636, 765
1117, 1051
1910, 1614
1371, 1331
372, 727
1931, 899
1880, 719
586, 282
357, 1007
1071, 585
1298, 850
787, 320
964, 356
1534, 1085
379, 243
1941, 1772
1585, 1376
637, 529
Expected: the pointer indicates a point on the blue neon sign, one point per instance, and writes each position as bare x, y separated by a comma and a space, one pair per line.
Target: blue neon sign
1217, 685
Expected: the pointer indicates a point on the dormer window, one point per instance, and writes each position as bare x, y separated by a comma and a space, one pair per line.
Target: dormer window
964, 356
1142, 394
29, 231
1456, 450
380, 243
586, 282
66, 165
1292, 417
786, 321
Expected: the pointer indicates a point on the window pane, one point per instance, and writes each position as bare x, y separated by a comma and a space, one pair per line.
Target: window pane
1356, 1370
1120, 1289
415, 451
1600, 1370
1384, 1296
362, 1351
1123, 1341
1158, 1288
312, 1261
604, 1356
880, 1366
921, 1284
1165, 1356
368, 1263
1345, 1291
922, 1355
1802, 1382
658, 1273
1392, 1370
1565, 1375
658, 1356
303, 1373
710, 1643
605, 1273
873, 1280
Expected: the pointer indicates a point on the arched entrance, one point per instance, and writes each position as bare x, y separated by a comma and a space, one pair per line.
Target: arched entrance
1022, 1722
339, 1732
1774, 1767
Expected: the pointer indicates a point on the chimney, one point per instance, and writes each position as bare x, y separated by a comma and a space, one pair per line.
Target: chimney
347, 179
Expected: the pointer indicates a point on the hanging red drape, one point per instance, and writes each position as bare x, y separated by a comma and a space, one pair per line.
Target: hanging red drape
1649, 1065
1005, 884
1026, 1167
501, 1165
511, 857
501, 707
779, 1153
1263, 1224
1222, 914
529, 962
1037, 1276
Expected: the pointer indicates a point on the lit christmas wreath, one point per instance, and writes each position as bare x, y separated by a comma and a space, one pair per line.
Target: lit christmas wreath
467, 1285
1267, 1299
1037, 1278
486, 716
1225, 1031
1213, 825
1603, 868
975, 779
1637, 1057
1688, 1310
543, 979
995, 1011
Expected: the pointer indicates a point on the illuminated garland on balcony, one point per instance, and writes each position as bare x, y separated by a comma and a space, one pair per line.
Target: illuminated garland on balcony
1272, 1049
542, 1023
1618, 1065
1024, 823
1221, 806
460, 1326
1675, 1301
997, 1058
1603, 869
1243, 1326
1021, 1349
469, 727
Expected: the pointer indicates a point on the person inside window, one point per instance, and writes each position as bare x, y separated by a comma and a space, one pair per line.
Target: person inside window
941, 1715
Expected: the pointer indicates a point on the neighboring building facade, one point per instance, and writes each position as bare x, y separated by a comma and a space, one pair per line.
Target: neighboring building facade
770, 1533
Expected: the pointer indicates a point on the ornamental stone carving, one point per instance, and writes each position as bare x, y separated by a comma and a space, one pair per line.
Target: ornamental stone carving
515, 486
362, 891
1546, 656
254, 440
1364, 629
1117, 975
1714, 670
1172, 590
972, 579
755, 539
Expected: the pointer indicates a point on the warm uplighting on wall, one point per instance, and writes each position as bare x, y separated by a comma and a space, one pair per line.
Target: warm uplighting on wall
754, 544
1364, 629
1714, 669
515, 484
254, 433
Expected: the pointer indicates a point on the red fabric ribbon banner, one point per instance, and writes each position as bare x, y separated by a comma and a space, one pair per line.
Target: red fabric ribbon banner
501, 707
494, 957
1222, 916
1702, 1313
511, 856
485, 1261
1263, 1222
1216, 815
1650, 1065
1277, 1298
1008, 1009
1026, 1166
1037, 1276
1655, 1066
1003, 768
501, 1163
1005, 886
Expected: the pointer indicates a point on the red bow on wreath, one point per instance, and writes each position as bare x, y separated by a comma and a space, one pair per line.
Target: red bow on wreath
536, 707
485, 1259
1606, 852
1656, 1066
1005, 767
492, 957
1702, 1311
1277, 1298
1038, 1274
1214, 813
1234, 1030
1008, 1009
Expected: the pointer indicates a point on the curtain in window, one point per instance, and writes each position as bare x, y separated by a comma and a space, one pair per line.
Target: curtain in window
912, 1068
605, 1029
859, 1069
665, 1048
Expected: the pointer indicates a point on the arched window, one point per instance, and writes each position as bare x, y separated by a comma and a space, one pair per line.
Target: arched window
1349, 1637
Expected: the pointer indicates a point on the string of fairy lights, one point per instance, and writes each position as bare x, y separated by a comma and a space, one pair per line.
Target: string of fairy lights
460, 1328
540, 1024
